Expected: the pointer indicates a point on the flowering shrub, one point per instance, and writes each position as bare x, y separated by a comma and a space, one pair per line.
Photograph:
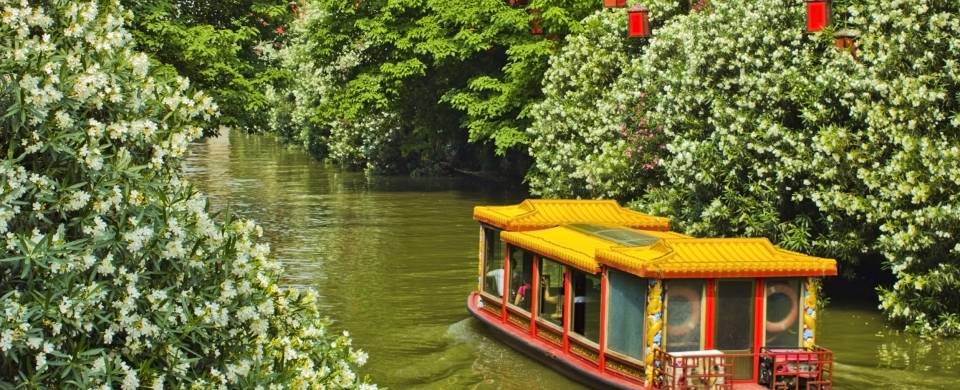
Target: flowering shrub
897, 169
587, 138
771, 131
112, 272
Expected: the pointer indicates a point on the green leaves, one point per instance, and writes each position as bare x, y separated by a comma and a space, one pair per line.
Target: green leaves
220, 46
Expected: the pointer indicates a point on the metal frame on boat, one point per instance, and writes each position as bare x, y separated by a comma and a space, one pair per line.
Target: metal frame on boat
613, 298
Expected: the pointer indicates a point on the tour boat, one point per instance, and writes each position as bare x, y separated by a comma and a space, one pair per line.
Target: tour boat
613, 298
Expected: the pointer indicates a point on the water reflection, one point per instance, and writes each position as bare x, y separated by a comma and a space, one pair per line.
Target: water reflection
393, 259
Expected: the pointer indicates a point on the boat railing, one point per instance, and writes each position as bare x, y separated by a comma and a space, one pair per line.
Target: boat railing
707, 370
780, 369
796, 369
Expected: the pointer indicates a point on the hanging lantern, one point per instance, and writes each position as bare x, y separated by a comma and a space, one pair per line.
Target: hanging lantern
614, 3
535, 28
846, 40
638, 18
818, 14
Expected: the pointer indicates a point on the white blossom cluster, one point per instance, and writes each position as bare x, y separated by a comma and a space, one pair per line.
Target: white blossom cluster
585, 138
293, 113
773, 131
113, 274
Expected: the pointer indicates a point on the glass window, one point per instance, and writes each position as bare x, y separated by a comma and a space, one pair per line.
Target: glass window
620, 235
733, 331
586, 305
627, 298
734, 315
783, 313
521, 279
551, 292
493, 262
684, 308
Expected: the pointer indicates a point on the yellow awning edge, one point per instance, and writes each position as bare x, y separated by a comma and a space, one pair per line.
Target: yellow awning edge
704, 258
536, 214
561, 244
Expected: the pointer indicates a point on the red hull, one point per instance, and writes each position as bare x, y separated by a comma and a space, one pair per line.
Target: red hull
546, 353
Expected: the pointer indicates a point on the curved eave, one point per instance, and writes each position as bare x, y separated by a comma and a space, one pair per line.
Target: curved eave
570, 256
536, 214
661, 261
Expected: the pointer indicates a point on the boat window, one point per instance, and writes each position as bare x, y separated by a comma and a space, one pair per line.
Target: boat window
626, 302
783, 313
551, 292
684, 309
492, 262
733, 330
586, 305
521, 279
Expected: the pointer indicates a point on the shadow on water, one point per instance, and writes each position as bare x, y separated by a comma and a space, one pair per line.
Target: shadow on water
393, 259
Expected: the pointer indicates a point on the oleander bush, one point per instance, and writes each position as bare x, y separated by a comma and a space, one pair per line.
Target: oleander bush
761, 129
587, 137
113, 273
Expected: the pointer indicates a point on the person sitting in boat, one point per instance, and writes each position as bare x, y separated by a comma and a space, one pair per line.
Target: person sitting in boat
548, 298
497, 277
523, 291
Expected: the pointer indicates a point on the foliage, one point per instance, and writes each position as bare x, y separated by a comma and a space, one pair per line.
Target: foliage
112, 272
898, 169
218, 45
587, 138
770, 131
380, 72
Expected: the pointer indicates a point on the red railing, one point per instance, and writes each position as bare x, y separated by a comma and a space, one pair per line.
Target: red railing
702, 370
796, 369
711, 370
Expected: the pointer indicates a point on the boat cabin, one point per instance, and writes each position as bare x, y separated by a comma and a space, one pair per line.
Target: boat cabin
614, 298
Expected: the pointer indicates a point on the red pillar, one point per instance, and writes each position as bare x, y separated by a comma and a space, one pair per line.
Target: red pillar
535, 296
709, 316
567, 291
506, 282
758, 325
603, 320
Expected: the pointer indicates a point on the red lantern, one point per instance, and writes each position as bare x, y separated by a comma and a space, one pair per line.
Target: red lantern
535, 28
614, 3
818, 14
638, 18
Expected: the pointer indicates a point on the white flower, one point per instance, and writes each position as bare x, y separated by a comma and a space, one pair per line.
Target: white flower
6, 340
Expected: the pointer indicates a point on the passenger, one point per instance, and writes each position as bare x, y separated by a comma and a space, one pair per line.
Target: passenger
523, 288
552, 299
497, 276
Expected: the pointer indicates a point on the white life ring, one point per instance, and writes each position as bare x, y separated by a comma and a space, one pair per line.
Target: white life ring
693, 319
791, 317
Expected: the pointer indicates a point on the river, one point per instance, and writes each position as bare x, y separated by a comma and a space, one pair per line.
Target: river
393, 259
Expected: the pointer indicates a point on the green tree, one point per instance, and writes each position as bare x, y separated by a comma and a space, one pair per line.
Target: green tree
219, 46
382, 70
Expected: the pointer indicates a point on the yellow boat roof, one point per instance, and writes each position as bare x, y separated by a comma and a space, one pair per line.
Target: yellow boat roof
573, 245
535, 214
667, 255
702, 258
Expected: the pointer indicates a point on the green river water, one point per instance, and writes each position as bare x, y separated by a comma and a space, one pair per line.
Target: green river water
393, 259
